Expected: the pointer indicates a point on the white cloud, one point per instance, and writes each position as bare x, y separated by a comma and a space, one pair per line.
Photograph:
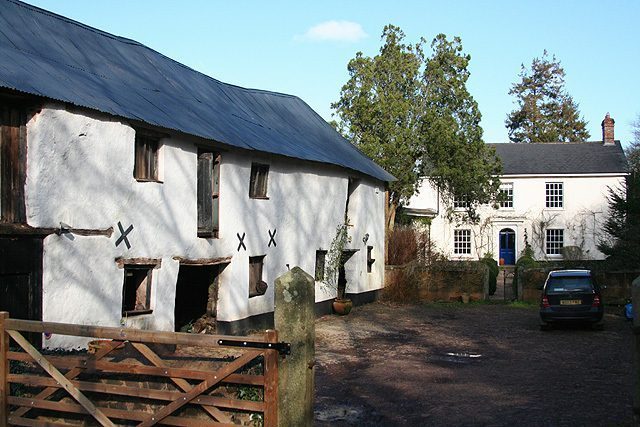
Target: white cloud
345, 31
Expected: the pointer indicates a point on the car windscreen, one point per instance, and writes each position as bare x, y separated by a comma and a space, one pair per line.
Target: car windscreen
563, 284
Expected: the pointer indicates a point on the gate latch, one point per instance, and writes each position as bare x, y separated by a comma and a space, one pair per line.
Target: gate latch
284, 348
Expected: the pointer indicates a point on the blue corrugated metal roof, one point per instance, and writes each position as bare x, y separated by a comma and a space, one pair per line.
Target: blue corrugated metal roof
51, 56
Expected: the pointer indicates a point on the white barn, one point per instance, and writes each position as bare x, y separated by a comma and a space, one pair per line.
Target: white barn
555, 200
139, 192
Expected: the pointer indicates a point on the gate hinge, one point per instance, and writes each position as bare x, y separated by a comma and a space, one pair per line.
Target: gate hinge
284, 348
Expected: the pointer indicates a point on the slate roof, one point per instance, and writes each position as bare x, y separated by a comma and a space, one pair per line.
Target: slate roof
48, 55
561, 158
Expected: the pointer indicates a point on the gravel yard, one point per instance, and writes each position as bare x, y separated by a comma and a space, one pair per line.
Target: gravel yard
475, 364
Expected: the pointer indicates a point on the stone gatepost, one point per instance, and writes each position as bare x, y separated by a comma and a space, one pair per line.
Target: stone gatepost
635, 295
294, 320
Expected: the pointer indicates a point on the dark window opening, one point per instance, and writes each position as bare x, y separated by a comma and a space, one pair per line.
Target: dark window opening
370, 260
196, 302
321, 259
136, 292
208, 194
13, 155
146, 157
257, 286
352, 184
258, 181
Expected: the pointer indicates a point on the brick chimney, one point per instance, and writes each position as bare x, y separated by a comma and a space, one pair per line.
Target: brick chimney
607, 130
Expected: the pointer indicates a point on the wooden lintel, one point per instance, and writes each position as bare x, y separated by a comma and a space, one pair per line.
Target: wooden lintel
152, 262
10, 229
203, 261
89, 231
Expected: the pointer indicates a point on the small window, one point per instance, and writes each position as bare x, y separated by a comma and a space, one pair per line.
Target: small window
554, 195
208, 194
257, 286
506, 195
258, 181
462, 242
136, 292
370, 260
321, 259
460, 202
146, 157
554, 241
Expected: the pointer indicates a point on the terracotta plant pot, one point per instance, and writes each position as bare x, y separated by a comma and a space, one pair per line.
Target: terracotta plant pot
342, 306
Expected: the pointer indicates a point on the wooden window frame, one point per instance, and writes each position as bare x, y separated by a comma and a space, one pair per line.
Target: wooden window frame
461, 202
208, 194
462, 241
320, 267
146, 280
257, 286
554, 195
258, 181
146, 156
506, 190
13, 162
554, 241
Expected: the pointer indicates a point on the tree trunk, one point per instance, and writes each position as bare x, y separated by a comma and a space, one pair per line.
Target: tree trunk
392, 207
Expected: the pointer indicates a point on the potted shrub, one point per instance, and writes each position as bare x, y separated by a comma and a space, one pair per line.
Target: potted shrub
334, 269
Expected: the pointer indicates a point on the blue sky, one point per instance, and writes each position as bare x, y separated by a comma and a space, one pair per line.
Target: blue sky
302, 48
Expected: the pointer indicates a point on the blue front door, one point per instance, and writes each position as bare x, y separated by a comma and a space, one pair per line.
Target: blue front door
508, 246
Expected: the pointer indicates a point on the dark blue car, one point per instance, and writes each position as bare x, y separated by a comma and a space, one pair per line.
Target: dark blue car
571, 296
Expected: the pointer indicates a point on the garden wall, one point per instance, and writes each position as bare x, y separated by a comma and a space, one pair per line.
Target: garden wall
443, 281
618, 284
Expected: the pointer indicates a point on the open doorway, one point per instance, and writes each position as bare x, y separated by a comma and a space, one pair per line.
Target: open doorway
197, 297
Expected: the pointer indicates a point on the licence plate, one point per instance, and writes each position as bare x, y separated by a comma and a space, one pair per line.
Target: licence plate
570, 302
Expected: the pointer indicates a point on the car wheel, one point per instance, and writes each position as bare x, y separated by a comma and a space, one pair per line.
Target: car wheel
545, 327
597, 326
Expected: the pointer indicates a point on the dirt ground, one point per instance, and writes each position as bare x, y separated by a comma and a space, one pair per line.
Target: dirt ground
475, 364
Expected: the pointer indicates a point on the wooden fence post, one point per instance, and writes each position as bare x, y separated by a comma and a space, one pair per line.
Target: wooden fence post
4, 370
271, 382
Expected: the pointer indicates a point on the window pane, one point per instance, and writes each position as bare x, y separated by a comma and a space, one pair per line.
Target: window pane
462, 242
554, 194
258, 180
554, 241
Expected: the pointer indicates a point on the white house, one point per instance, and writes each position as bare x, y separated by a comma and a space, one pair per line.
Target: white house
137, 191
555, 200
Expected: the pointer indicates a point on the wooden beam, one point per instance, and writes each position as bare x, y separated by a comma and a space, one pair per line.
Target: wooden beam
4, 369
113, 413
203, 261
145, 393
125, 334
64, 362
151, 262
51, 370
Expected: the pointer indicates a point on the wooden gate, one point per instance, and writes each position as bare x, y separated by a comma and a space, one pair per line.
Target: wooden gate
136, 377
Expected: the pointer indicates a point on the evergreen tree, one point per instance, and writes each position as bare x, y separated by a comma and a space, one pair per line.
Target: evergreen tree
459, 162
622, 241
415, 118
633, 151
546, 112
